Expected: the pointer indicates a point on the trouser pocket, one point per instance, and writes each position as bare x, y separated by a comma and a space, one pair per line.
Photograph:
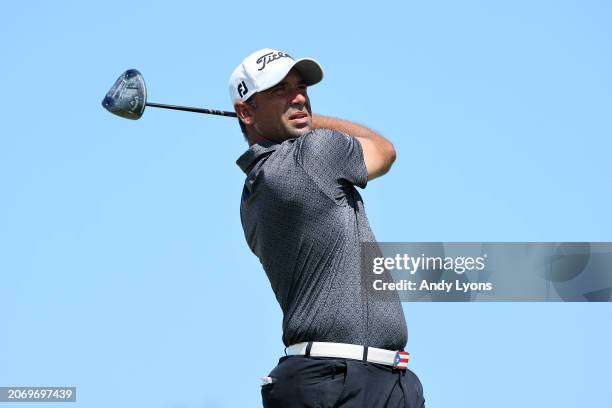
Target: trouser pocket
305, 382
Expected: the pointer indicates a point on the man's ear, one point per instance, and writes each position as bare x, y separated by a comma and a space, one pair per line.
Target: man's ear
244, 112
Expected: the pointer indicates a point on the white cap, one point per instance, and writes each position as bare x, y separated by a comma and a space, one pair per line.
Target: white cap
267, 67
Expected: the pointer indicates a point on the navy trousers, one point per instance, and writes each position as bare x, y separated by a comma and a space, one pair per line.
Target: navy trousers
321, 382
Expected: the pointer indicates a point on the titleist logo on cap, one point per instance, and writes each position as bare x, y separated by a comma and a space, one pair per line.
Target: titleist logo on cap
269, 57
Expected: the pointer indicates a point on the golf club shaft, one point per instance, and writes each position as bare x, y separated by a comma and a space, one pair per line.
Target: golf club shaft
188, 109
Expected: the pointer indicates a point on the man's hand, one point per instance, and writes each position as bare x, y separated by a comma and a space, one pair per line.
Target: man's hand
378, 152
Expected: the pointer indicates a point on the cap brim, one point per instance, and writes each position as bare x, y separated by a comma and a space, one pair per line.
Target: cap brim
310, 70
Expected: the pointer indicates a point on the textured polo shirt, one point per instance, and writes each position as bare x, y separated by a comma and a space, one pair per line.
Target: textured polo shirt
304, 219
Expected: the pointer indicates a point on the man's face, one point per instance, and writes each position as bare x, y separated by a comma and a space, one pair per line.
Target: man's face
283, 111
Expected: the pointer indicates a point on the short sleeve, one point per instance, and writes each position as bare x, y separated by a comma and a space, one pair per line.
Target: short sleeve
332, 159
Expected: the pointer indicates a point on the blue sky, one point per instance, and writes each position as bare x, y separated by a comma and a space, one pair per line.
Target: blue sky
124, 268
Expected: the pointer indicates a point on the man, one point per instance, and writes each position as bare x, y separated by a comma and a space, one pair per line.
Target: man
304, 219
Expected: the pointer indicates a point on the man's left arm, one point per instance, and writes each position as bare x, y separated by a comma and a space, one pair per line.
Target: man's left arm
378, 152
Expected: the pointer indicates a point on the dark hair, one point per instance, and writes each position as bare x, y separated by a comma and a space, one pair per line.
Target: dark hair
253, 105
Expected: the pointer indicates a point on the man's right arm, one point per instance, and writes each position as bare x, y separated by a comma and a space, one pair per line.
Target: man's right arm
378, 152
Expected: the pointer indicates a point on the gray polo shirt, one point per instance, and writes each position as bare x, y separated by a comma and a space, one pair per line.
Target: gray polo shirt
304, 219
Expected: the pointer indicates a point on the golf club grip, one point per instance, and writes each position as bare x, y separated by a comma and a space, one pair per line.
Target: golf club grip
188, 109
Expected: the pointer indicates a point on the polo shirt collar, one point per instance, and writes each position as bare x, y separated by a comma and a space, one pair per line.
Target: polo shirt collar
248, 158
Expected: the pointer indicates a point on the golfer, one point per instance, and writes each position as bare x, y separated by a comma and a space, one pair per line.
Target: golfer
304, 219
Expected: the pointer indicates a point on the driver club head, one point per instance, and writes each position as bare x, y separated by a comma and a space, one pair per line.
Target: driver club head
128, 96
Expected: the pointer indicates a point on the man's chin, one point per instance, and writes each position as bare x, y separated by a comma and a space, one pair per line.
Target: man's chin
297, 131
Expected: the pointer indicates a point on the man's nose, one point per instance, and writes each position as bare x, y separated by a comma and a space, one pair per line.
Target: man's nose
298, 98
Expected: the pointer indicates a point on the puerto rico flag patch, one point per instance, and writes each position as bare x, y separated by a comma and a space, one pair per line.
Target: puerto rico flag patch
401, 360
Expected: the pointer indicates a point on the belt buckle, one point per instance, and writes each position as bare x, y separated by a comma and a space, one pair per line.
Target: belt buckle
400, 362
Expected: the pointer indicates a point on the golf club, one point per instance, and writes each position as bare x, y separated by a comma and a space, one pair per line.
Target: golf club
128, 98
